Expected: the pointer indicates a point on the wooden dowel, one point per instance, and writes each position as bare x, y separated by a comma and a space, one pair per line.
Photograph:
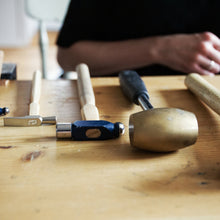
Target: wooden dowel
204, 90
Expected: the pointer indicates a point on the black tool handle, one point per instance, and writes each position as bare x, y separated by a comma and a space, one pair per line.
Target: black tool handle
133, 87
4, 111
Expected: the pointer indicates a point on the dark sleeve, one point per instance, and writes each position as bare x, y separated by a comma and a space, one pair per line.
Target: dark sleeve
100, 20
74, 24
103, 20
87, 20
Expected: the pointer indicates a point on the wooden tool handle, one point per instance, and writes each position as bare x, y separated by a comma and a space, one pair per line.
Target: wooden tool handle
1, 61
204, 90
35, 93
86, 94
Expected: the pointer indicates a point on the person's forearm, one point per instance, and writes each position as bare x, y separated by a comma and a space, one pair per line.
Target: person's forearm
109, 57
199, 52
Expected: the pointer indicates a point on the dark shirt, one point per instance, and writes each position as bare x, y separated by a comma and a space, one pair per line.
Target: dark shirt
114, 20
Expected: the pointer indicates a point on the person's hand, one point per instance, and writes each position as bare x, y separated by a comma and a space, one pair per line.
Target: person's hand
190, 52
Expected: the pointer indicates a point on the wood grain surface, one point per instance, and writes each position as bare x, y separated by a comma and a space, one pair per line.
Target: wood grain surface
45, 178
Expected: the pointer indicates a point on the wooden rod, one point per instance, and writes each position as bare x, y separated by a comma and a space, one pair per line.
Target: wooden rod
204, 90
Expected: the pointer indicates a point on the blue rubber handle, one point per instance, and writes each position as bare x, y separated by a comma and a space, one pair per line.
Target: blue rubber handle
4, 111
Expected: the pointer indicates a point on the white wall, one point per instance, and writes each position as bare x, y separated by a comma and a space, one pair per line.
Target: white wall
16, 27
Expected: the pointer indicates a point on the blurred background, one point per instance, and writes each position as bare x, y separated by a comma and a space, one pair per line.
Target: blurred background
28, 29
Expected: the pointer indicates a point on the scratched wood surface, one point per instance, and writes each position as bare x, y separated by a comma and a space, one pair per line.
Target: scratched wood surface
43, 178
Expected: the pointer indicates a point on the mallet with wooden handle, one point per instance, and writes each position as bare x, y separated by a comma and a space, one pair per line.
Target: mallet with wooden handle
204, 90
33, 119
90, 128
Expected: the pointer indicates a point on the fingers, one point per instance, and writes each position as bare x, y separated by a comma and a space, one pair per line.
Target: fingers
208, 65
199, 69
213, 54
191, 52
210, 37
209, 57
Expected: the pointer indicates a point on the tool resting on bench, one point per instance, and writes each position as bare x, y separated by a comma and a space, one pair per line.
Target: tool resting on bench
33, 119
91, 128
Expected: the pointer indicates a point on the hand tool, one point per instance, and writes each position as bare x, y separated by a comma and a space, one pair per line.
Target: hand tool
33, 119
1, 61
86, 95
4, 111
204, 90
156, 129
7, 70
91, 128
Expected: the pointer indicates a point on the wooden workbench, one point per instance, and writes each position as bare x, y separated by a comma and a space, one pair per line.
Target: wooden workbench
45, 178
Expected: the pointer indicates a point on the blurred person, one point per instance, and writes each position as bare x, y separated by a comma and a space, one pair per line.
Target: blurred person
153, 37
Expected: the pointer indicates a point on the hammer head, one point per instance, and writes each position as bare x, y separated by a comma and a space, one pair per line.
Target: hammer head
29, 121
163, 129
9, 71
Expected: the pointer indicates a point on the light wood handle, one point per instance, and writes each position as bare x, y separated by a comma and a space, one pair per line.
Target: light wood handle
35, 93
1, 61
86, 95
204, 90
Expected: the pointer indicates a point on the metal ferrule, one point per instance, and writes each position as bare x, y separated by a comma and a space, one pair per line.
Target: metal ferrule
49, 120
121, 128
144, 102
63, 130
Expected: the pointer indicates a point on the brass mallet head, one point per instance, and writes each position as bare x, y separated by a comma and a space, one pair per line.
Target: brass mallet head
156, 129
163, 129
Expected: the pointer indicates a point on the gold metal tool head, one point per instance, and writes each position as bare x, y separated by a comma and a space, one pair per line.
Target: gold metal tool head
163, 129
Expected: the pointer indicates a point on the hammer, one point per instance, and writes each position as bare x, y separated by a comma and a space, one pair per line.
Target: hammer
204, 90
90, 128
33, 119
7, 70
156, 129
